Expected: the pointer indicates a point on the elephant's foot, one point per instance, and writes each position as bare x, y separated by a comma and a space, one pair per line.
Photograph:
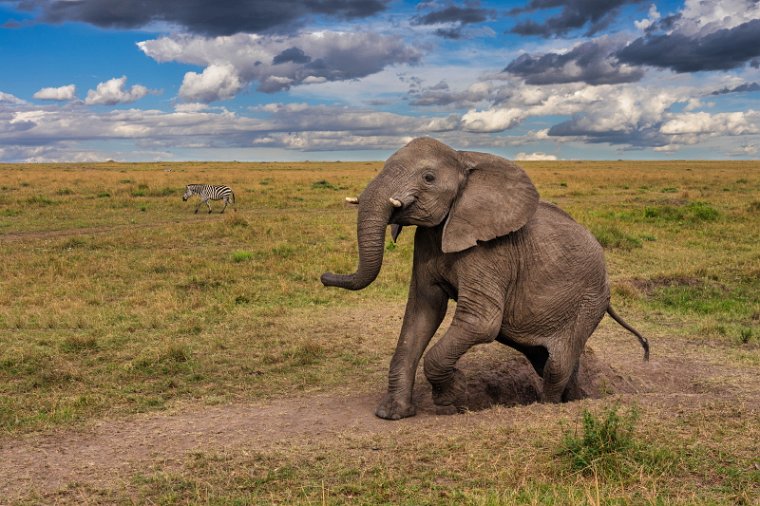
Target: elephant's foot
449, 398
391, 408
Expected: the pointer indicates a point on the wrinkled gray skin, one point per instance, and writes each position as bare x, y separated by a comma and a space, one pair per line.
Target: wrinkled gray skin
522, 271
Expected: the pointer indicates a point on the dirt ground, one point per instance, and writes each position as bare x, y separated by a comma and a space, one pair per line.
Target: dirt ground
104, 452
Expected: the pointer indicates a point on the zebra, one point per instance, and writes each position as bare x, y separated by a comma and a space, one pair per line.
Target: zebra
209, 192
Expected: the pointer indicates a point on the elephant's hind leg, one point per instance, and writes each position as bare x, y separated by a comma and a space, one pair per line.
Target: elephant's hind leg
561, 382
559, 370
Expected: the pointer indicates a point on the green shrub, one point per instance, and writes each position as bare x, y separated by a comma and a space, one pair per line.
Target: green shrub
702, 211
241, 256
604, 441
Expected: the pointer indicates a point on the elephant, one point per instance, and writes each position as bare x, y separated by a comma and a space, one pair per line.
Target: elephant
521, 270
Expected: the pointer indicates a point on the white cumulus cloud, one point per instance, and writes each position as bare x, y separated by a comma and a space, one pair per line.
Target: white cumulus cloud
216, 82
67, 92
10, 99
534, 157
727, 123
113, 92
491, 120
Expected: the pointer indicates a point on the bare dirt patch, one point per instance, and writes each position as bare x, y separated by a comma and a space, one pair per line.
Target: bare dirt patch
107, 451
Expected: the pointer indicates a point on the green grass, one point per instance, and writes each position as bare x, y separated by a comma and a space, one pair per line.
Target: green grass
149, 280
108, 310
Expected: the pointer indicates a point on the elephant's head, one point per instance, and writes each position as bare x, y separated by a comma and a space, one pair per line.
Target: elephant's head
479, 196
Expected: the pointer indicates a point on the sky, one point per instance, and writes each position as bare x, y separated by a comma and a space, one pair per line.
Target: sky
265, 80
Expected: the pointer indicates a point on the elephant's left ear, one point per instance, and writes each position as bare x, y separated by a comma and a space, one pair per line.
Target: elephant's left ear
496, 199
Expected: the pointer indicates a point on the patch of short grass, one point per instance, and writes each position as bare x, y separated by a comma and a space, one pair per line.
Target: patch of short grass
241, 256
611, 237
690, 212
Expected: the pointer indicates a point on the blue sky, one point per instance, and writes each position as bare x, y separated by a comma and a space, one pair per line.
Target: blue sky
354, 80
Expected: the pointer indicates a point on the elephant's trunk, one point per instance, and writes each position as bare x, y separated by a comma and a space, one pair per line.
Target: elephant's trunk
375, 210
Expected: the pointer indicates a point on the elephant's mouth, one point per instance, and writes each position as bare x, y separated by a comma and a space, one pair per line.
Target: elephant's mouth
405, 208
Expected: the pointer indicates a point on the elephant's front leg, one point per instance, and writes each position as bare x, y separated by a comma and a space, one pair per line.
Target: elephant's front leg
476, 321
425, 310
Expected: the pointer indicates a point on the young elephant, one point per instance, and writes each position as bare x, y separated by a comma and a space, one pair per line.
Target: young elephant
521, 270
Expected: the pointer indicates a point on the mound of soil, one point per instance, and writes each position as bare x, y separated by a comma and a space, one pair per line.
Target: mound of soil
506, 378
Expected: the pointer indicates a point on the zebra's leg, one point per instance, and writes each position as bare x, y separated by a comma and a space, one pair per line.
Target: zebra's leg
198, 206
225, 205
208, 204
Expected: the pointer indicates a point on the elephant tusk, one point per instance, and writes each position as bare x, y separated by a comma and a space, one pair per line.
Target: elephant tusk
396, 203
352, 200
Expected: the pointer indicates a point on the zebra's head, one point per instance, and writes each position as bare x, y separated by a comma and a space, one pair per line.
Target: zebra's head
188, 193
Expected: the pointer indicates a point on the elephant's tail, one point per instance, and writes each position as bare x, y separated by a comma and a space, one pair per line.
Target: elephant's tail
642, 339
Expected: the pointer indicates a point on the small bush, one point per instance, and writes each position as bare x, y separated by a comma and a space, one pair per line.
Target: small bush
702, 211
241, 256
603, 443
104, 195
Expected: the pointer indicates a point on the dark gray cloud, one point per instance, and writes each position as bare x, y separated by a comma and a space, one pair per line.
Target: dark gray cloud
440, 95
456, 17
590, 62
575, 14
649, 137
454, 14
723, 49
291, 55
207, 17
742, 88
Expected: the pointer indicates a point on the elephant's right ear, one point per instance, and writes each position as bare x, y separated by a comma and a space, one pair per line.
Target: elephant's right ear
496, 199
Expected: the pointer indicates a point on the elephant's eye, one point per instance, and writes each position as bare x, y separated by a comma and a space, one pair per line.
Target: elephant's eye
429, 177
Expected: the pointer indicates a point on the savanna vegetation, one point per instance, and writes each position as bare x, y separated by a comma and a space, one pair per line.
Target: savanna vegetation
116, 299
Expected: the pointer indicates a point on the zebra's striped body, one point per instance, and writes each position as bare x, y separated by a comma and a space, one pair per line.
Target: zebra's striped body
209, 192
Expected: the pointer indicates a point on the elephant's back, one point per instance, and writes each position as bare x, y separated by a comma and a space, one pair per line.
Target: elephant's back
555, 231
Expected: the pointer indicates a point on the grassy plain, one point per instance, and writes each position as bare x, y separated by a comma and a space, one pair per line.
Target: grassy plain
116, 299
